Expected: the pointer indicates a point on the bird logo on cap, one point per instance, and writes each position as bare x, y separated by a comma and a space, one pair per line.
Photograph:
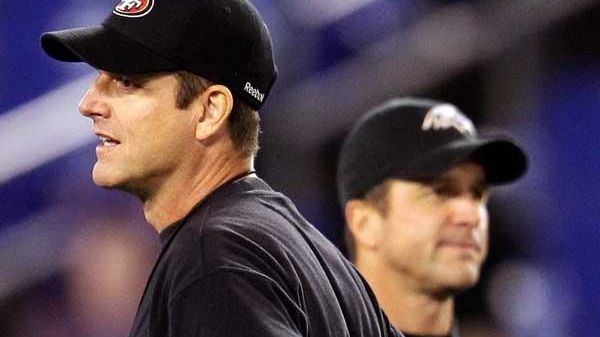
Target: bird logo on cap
133, 8
445, 116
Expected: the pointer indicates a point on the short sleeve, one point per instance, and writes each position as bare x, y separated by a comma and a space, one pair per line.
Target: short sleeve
232, 303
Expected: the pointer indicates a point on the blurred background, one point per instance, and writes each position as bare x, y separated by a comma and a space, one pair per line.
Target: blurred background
74, 258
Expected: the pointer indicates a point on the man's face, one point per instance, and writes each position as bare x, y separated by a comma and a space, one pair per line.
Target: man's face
143, 135
435, 235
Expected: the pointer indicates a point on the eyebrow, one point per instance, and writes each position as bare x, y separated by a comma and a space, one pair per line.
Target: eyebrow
479, 183
142, 78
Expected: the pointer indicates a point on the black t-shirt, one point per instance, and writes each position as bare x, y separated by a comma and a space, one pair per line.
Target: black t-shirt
245, 263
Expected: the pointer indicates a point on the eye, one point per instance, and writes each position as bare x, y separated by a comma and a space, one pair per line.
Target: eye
127, 82
443, 190
481, 192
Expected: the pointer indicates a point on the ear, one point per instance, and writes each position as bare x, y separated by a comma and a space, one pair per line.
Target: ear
217, 102
364, 223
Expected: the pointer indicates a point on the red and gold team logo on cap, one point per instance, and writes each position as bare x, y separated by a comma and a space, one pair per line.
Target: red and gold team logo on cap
133, 8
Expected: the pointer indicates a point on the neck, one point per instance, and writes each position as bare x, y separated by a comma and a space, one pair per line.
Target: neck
410, 309
177, 195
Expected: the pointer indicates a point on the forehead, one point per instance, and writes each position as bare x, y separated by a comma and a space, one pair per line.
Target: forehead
142, 78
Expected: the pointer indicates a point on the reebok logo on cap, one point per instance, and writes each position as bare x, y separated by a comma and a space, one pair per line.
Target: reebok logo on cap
133, 8
445, 116
254, 92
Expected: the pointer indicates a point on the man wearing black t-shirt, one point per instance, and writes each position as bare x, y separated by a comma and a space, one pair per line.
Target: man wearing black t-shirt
175, 108
414, 179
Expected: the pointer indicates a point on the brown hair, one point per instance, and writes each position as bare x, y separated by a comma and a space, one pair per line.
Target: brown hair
244, 121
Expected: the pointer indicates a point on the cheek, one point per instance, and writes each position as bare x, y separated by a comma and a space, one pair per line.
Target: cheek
485, 240
411, 235
152, 132
484, 215
133, 121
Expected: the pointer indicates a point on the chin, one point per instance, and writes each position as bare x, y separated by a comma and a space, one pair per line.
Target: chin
110, 179
463, 280
103, 182
457, 278
103, 178
451, 287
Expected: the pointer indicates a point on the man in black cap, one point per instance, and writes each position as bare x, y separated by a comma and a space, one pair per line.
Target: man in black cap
175, 108
414, 180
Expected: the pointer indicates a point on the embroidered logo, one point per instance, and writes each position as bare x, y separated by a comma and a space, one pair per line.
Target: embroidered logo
133, 8
445, 116
254, 92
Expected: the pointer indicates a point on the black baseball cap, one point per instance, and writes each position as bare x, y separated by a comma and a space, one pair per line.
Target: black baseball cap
419, 139
224, 41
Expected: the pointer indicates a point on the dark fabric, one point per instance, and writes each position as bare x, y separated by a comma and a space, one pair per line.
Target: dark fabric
245, 263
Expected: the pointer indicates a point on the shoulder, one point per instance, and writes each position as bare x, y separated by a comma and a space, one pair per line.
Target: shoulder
247, 229
249, 210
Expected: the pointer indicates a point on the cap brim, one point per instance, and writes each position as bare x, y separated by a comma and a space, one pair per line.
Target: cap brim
105, 49
503, 160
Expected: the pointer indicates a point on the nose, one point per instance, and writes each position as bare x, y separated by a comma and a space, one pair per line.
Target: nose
467, 211
93, 104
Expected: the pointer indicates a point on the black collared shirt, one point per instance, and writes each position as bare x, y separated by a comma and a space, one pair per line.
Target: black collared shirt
245, 263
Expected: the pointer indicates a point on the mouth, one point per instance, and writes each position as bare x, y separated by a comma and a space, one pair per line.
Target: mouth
106, 141
461, 244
